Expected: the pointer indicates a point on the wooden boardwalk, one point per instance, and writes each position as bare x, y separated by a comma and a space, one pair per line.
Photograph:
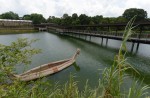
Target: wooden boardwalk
135, 38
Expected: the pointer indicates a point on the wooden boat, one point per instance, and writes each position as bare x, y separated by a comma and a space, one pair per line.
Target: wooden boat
47, 69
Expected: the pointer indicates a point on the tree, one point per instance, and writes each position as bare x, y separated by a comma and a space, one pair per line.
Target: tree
26, 17
65, 16
53, 19
9, 15
130, 13
49, 20
97, 19
75, 19
66, 19
121, 19
74, 16
105, 20
75, 22
84, 19
37, 18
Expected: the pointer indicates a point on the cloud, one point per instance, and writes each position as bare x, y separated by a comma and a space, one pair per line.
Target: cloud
107, 8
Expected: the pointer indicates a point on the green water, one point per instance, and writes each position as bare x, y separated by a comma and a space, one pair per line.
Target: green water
94, 56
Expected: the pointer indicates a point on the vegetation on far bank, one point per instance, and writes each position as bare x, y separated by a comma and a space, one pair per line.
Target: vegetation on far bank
81, 19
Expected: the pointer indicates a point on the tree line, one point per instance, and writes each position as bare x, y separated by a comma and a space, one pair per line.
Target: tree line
82, 19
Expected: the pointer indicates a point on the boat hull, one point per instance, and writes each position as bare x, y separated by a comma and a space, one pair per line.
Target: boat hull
32, 76
47, 69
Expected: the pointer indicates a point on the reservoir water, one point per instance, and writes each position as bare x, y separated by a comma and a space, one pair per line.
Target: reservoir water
94, 56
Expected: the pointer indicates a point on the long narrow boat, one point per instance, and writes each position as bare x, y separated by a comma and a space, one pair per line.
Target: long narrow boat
47, 69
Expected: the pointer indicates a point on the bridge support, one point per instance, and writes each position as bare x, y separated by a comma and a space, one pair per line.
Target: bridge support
106, 41
137, 47
132, 47
42, 29
102, 41
90, 38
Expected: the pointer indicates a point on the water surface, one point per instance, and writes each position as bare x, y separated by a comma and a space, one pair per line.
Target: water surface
94, 56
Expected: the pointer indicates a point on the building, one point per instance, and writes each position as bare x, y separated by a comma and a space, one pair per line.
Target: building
15, 23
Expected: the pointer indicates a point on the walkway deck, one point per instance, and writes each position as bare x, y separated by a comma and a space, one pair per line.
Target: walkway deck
135, 38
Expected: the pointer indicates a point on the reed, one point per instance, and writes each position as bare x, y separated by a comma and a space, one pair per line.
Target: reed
113, 77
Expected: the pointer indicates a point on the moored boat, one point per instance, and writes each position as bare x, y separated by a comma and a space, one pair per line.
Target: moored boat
47, 69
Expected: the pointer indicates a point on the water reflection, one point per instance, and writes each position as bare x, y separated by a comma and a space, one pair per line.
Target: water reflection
76, 66
105, 55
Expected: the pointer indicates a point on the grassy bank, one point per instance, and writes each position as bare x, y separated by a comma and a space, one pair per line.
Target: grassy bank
17, 31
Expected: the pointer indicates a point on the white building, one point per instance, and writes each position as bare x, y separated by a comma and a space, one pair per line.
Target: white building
9, 22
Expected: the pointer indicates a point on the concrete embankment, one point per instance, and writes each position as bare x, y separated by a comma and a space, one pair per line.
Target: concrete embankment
11, 30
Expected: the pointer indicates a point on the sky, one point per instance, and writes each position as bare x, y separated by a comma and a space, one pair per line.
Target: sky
107, 8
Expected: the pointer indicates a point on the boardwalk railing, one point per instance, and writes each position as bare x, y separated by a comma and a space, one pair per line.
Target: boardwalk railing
105, 33
139, 37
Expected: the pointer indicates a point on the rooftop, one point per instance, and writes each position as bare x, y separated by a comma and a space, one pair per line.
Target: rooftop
15, 20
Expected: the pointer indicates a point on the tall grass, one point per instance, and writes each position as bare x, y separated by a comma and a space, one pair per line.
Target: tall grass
137, 90
109, 85
113, 77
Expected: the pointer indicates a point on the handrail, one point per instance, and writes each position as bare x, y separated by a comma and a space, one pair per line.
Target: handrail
105, 33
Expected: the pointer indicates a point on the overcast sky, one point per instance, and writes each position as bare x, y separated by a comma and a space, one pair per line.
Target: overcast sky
107, 8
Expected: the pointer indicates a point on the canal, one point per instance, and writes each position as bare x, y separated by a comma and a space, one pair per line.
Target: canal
94, 57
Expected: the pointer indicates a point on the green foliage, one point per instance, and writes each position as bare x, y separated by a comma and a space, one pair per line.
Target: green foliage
65, 16
76, 22
75, 19
137, 90
121, 19
66, 19
37, 18
74, 16
9, 15
17, 53
26, 17
84, 19
97, 19
53, 19
140, 13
